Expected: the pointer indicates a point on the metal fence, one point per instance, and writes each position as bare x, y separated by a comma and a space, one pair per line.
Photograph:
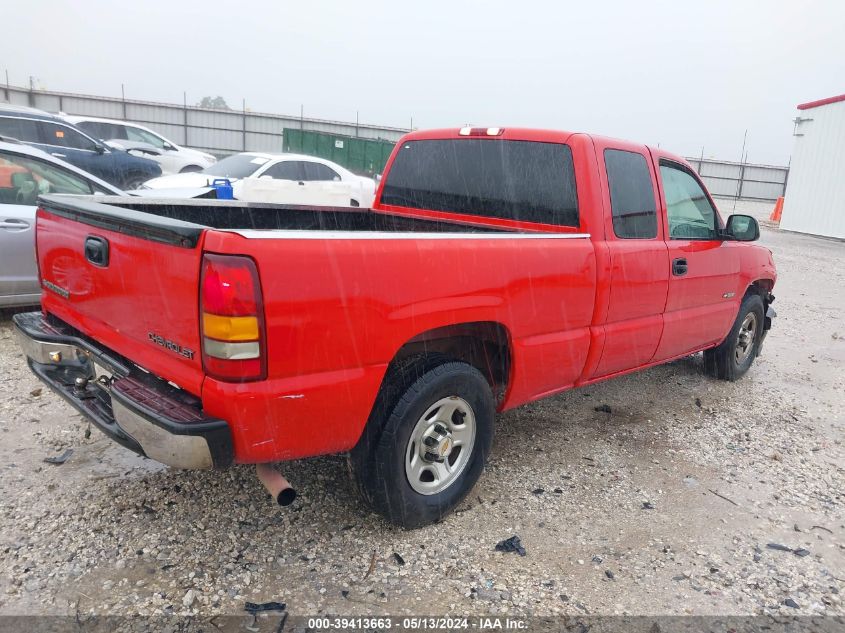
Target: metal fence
224, 132
217, 131
725, 179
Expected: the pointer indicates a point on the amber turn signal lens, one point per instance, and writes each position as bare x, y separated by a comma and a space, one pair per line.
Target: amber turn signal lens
230, 328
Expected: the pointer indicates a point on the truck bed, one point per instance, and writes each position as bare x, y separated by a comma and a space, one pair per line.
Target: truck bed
342, 290
182, 221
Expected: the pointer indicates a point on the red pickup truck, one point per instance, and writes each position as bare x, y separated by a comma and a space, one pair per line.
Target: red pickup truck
497, 266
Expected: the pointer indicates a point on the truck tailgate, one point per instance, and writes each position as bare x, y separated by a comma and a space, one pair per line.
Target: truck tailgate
131, 286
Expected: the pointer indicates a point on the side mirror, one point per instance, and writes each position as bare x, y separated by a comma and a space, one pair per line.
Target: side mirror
742, 228
167, 147
100, 148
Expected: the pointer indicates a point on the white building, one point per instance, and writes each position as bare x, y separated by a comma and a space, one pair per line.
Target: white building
815, 192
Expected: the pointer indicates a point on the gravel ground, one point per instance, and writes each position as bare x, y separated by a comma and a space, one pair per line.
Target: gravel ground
667, 504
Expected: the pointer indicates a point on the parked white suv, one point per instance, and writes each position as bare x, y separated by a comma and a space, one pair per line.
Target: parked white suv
173, 158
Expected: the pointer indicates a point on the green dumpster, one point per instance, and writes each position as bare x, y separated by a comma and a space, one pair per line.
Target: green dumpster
362, 156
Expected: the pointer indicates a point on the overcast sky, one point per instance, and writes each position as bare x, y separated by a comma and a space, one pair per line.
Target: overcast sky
681, 74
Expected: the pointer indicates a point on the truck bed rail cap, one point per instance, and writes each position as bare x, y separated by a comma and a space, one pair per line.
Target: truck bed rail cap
91, 210
277, 234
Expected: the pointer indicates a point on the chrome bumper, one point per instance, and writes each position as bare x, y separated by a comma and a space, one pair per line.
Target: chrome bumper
143, 413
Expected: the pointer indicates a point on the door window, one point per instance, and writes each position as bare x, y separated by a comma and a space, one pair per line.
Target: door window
23, 179
631, 195
318, 171
286, 170
104, 131
22, 129
63, 136
691, 216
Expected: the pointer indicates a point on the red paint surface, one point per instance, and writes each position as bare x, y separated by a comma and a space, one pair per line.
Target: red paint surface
821, 102
338, 310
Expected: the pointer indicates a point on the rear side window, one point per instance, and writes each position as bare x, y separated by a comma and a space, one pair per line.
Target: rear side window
286, 170
22, 129
514, 180
318, 171
103, 131
631, 195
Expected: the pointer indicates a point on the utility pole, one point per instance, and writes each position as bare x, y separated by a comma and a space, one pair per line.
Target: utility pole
185, 117
741, 170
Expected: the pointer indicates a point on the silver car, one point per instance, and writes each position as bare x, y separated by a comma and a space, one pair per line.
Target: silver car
25, 173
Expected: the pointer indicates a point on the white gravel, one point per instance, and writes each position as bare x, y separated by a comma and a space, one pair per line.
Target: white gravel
666, 505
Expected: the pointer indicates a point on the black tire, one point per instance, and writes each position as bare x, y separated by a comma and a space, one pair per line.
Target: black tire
190, 169
377, 462
723, 361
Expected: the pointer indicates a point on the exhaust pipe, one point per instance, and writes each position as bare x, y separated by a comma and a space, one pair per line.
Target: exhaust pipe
278, 487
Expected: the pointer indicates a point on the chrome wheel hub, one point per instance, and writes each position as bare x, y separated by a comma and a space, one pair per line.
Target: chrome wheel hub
440, 445
745, 338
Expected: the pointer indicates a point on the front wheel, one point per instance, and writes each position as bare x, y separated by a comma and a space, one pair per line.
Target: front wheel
734, 356
425, 451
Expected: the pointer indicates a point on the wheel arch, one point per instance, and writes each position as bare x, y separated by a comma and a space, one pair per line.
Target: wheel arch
761, 286
485, 345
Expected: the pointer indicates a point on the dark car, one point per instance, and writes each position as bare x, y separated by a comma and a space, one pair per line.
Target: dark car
67, 142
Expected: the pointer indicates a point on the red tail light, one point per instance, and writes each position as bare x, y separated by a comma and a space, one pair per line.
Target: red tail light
234, 348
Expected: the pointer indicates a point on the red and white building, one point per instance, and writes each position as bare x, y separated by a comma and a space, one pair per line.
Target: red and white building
815, 192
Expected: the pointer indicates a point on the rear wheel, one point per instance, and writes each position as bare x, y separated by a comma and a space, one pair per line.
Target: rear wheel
425, 446
734, 356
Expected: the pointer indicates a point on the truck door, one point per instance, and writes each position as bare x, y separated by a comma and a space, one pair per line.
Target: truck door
639, 274
702, 301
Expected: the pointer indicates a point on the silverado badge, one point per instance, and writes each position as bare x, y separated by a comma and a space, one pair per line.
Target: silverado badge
171, 345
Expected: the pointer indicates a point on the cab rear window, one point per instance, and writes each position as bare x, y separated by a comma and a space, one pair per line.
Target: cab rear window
515, 180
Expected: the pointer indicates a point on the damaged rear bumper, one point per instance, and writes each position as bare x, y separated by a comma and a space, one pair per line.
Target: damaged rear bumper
136, 409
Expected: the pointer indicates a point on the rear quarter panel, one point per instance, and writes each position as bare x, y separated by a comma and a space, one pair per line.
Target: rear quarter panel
338, 310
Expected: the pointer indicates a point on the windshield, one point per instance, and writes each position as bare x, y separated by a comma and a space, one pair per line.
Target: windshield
142, 136
237, 166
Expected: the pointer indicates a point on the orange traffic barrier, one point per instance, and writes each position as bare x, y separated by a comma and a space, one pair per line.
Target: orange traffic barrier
777, 211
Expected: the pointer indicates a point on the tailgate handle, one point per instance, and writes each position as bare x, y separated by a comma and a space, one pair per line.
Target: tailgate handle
97, 250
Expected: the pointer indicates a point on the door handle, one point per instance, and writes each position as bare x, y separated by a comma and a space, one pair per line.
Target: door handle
57, 155
679, 266
97, 250
12, 223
